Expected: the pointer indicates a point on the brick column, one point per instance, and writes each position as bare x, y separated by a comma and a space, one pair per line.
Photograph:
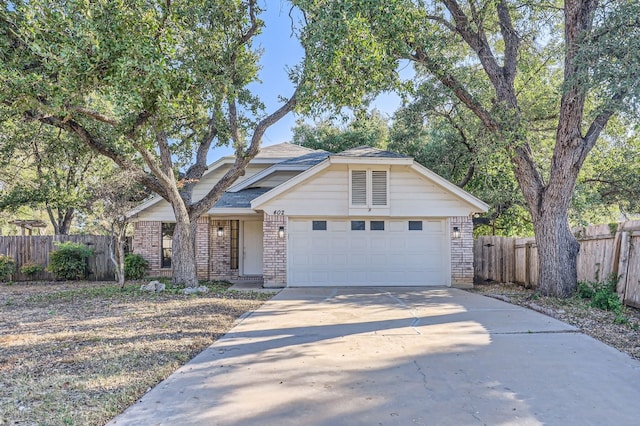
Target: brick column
202, 248
275, 251
219, 250
461, 252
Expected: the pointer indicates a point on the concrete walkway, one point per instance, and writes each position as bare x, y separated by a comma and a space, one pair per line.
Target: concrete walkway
390, 356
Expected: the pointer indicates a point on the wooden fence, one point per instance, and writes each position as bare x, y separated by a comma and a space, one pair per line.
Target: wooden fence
36, 249
604, 250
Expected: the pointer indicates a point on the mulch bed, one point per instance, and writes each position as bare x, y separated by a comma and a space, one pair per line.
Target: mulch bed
79, 353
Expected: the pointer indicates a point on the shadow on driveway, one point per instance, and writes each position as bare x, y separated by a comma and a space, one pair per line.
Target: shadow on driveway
426, 356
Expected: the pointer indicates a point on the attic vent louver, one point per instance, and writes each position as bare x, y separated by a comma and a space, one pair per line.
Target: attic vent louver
359, 187
379, 188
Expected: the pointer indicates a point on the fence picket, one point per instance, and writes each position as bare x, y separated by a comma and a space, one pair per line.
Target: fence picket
36, 249
604, 250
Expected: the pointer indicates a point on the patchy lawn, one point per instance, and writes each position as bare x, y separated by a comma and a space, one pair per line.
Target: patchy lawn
602, 325
80, 353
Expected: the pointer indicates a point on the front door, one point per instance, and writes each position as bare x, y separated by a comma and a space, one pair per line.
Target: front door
252, 248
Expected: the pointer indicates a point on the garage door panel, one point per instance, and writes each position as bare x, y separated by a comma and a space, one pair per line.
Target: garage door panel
394, 256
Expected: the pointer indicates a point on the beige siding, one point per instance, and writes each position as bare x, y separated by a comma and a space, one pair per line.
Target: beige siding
162, 210
327, 193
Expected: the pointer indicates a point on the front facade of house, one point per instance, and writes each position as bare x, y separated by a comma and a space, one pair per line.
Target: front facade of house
301, 217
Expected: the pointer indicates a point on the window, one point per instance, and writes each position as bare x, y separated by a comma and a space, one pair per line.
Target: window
166, 244
235, 244
319, 225
357, 225
377, 225
415, 225
369, 188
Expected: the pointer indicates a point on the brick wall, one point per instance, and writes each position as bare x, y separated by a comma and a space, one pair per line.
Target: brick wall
147, 240
462, 252
275, 251
147, 243
220, 251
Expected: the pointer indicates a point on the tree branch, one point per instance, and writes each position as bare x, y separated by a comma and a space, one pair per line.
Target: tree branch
242, 159
92, 142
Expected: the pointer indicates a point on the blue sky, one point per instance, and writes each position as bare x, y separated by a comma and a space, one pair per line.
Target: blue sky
281, 50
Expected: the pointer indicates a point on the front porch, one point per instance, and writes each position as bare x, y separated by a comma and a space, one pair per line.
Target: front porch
238, 249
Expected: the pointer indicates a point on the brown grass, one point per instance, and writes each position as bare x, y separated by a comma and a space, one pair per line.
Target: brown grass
80, 353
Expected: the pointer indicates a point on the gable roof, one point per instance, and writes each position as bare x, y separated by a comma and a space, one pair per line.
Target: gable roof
283, 150
368, 152
371, 155
240, 199
268, 155
293, 164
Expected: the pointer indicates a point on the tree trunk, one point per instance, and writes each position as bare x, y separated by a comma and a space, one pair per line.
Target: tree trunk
120, 266
557, 254
183, 258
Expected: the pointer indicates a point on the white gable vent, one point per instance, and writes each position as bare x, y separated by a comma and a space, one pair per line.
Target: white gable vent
359, 187
379, 188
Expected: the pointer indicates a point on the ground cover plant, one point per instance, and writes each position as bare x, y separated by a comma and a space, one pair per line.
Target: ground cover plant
80, 353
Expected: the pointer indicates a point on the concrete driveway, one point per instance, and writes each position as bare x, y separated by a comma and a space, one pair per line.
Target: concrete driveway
397, 356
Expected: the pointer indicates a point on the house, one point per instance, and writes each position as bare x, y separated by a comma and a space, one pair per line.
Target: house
302, 217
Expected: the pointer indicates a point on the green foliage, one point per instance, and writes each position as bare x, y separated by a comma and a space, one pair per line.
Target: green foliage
603, 295
135, 266
7, 267
69, 261
31, 268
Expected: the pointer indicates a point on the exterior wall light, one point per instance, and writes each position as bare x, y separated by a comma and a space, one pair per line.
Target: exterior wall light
281, 232
456, 232
220, 231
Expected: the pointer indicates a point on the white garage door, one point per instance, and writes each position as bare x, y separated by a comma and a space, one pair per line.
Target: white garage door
367, 252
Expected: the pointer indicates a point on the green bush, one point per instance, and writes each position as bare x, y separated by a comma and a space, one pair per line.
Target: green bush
135, 266
31, 268
603, 294
69, 261
7, 267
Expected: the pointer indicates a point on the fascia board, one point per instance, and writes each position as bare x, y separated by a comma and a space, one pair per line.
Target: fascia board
445, 184
283, 187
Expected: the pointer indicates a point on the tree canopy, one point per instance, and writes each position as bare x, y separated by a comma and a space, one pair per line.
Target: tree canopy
542, 98
152, 85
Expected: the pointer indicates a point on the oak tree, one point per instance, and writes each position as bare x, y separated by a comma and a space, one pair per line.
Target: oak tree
582, 55
151, 85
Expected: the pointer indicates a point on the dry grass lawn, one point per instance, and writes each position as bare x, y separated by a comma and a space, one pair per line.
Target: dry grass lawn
80, 353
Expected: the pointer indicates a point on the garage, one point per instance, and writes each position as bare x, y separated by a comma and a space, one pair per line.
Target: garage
368, 252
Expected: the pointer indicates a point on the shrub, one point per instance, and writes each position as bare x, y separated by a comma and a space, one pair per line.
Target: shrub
603, 294
7, 267
69, 261
31, 268
135, 266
